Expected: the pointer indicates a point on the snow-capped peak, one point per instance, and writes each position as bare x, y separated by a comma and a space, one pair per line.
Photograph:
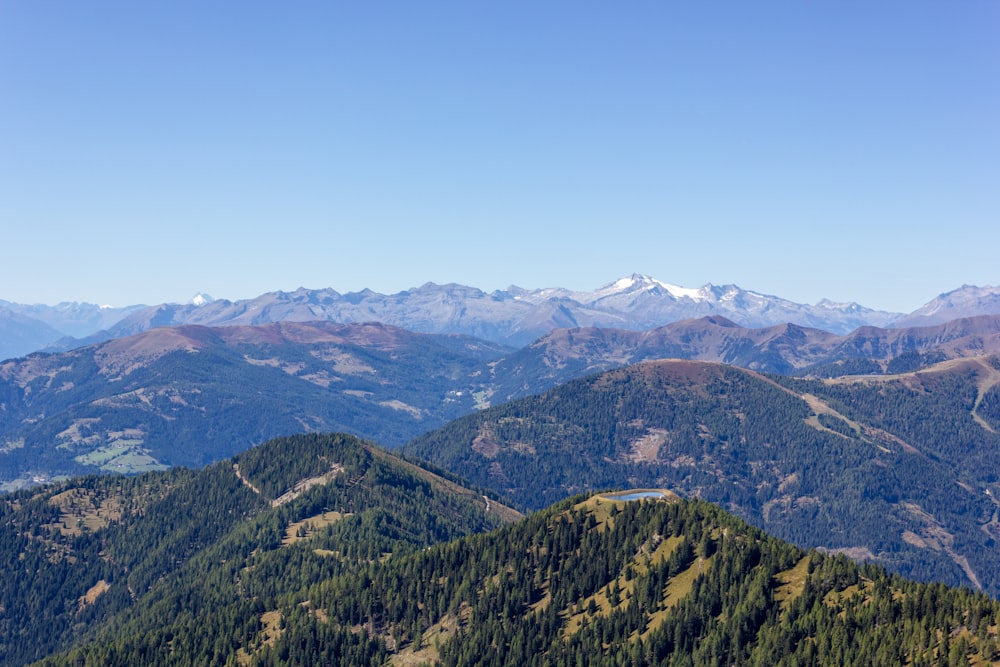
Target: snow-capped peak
200, 299
843, 306
640, 282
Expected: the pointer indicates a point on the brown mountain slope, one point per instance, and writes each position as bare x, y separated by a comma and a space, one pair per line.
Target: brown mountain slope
787, 349
192, 395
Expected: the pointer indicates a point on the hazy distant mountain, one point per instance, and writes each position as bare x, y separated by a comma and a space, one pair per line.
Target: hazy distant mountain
514, 316
21, 334
26, 328
966, 301
71, 318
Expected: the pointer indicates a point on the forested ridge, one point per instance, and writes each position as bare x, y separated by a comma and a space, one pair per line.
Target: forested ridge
193, 558
901, 470
592, 581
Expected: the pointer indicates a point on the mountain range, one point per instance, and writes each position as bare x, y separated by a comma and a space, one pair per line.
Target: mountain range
803, 458
878, 443
27, 328
322, 550
785, 349
191, 395
514, 316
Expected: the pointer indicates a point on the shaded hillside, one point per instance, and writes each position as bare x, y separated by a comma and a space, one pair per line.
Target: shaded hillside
593, 581
163, 554
193, 395
895, 469
21, 334
26, 328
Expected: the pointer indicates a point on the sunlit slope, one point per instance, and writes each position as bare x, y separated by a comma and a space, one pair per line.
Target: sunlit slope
599, 581
162, 553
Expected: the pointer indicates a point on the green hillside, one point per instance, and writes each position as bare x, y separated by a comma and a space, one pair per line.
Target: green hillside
591, 581
901, 470
194, 559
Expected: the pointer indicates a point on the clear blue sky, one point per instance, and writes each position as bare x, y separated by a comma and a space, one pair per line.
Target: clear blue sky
151, 150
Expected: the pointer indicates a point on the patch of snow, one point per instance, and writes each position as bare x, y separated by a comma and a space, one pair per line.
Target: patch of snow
730, 294
851, 306
679, 292
638, 281
623, 284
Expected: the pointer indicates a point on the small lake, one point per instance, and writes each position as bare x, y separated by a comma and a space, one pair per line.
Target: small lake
637, 495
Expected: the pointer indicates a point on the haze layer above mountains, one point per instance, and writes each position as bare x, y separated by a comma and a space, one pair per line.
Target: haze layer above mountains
513, 317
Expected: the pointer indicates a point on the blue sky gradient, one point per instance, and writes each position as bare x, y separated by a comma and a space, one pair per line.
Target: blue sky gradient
151, 150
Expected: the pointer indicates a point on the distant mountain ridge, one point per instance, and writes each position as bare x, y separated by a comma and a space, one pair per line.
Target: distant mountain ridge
25, 328
787, 349
514, 316
966, 301
192, 394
